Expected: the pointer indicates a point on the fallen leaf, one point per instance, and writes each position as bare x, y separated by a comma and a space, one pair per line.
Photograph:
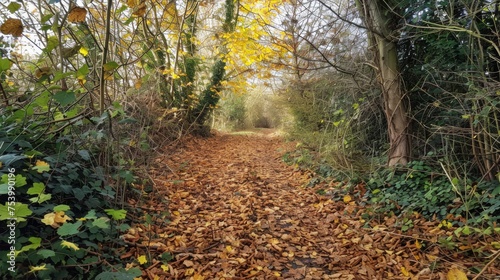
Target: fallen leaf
418, 245
404, 271
142, 259
456, 274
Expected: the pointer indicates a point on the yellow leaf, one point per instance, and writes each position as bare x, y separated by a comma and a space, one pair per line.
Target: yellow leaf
189, 272
61, 218
156, 277
446, 224
70, 245
456, 274
164, 267
41, 166
138, 84
347, 198
12, 26
38, 268
142, 259
184, 194
229, 249
198, 277
418, 245
404, 271
43, 71
274, 241
49, 218
77, 14
84, 51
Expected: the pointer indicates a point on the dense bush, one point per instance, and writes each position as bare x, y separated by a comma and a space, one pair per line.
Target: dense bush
59, 185
57, 204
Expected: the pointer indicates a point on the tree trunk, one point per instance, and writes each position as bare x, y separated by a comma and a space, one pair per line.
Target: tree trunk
377, 17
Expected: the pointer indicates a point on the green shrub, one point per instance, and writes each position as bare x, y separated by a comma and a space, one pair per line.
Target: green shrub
419, 188
59, 209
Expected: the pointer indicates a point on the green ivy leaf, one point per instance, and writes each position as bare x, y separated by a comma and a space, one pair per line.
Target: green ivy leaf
19, 211
46, 253
466, 230
45, 18
69, 229
13, 7
65, 97
124, 275
19, 181
127, 175
37, 188
61, 207
84, 154
52, 43
78, 193
41, 198
10, 158
91, 215
82, 72
116, 214
102, 222
110, 66
5, 64
43, 99
35, 243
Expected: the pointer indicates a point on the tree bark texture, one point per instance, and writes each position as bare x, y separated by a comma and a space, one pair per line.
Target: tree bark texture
376, 15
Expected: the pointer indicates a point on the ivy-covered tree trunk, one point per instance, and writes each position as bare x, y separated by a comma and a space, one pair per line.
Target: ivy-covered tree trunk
380, 19
210, 96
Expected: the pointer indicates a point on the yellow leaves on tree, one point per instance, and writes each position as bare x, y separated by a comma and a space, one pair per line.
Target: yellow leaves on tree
170, 17
249, 46
244, 46
12, 26
77, 14
138, 7
170, 72
55, 219
83, 51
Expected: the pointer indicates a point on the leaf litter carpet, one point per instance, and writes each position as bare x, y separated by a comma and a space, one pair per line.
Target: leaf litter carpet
237, 211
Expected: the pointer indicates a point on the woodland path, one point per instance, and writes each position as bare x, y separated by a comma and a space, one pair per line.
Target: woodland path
239, 212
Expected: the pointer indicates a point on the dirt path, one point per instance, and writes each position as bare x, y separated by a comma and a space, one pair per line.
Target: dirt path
239, 212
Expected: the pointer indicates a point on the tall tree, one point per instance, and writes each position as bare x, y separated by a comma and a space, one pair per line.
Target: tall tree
381, 21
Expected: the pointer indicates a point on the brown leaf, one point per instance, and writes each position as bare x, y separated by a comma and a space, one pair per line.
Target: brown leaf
12, 26
43, 71
77, 14
140, 10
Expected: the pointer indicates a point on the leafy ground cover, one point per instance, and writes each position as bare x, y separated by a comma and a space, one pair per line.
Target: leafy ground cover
237, 211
